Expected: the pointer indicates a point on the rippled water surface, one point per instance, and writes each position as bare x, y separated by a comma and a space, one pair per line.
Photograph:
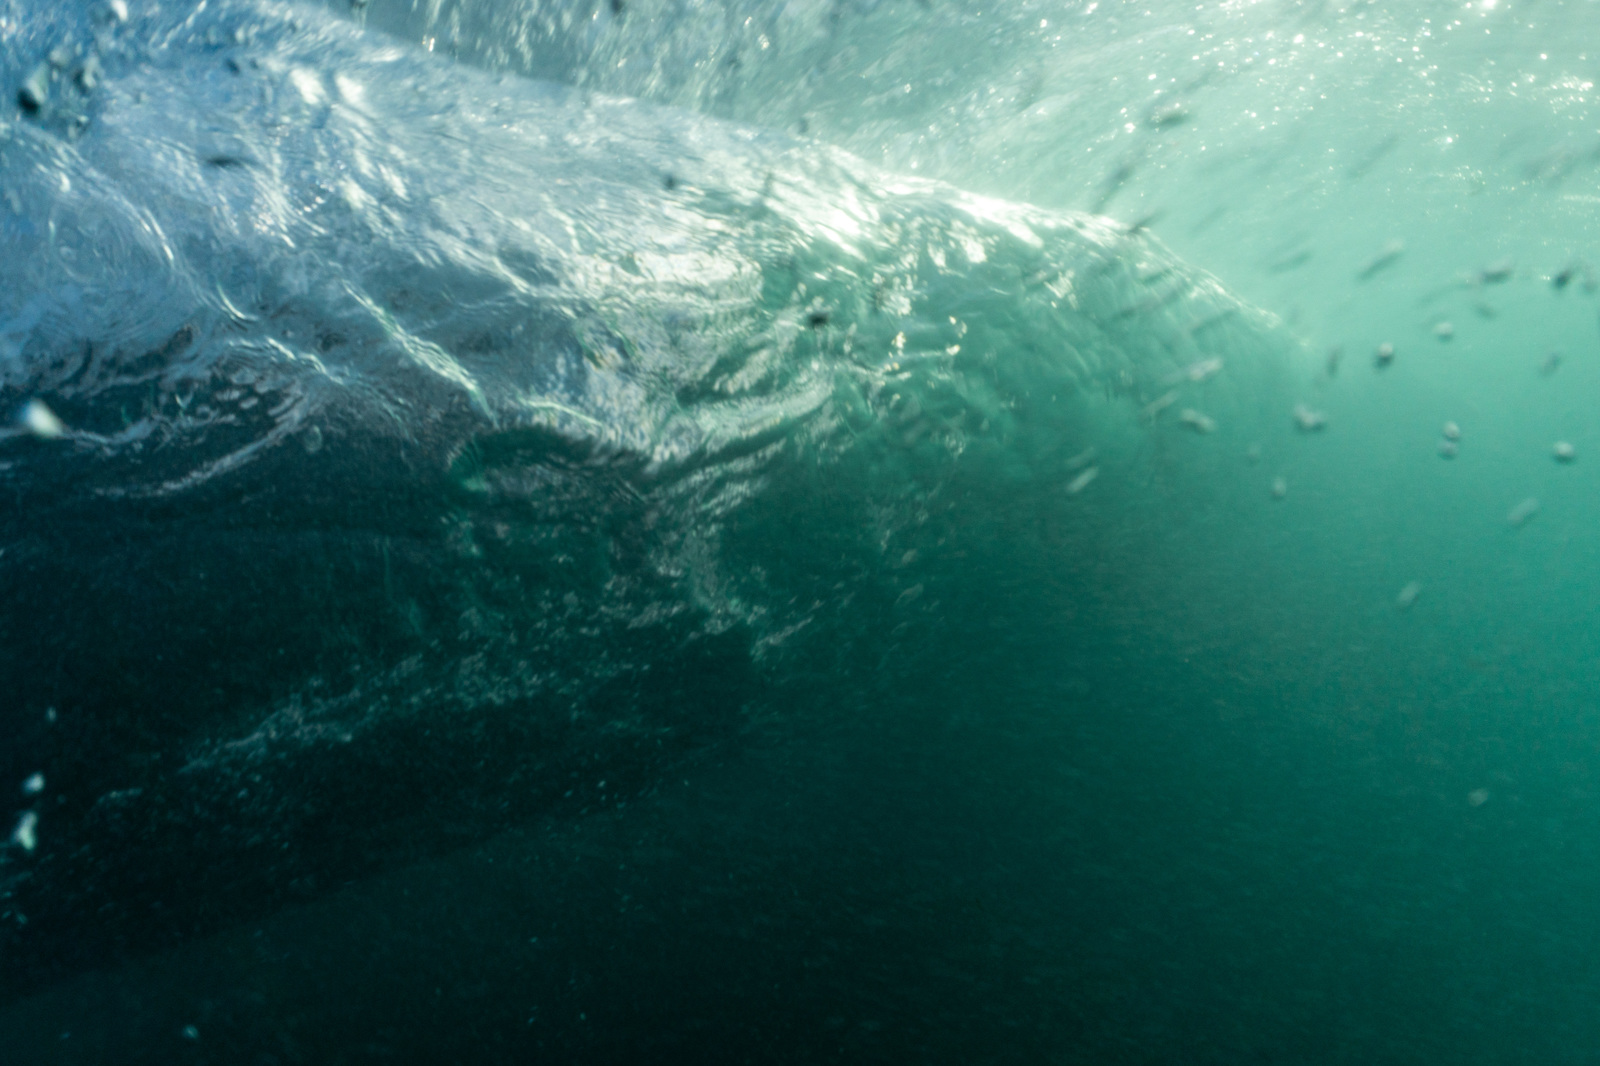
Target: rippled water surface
825, 531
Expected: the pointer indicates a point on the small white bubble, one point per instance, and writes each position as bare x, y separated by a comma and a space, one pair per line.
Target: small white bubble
25, 834
33, 785
1152, 410
42, 422
1519, 515
1280, 488
1408, 595
1564, 452
1478, 797
1452, 431
1307, 420
1082, 459
191, 1033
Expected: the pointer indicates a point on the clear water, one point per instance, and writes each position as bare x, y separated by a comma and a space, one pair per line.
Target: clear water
811, 531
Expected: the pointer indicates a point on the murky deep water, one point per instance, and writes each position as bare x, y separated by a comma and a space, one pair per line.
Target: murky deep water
830, 531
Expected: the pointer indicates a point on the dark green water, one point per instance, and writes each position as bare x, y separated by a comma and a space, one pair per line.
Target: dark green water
506, 572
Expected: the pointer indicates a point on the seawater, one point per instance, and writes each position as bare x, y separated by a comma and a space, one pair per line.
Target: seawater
819, 531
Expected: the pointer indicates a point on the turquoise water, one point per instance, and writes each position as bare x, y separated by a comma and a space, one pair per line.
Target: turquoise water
833, 531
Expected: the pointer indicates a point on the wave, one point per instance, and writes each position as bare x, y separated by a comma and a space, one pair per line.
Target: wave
442, 447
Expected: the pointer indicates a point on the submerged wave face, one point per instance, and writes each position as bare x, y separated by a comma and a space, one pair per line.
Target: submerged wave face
443, 448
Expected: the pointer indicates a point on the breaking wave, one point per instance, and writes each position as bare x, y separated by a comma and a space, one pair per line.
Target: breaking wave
432, 447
